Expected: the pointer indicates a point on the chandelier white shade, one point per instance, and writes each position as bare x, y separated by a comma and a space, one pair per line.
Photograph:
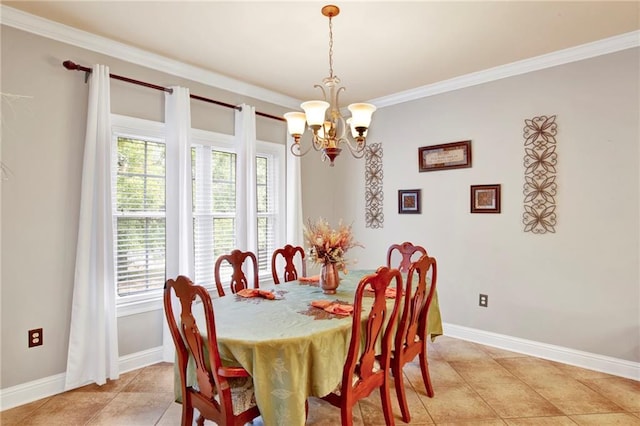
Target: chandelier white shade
330, 129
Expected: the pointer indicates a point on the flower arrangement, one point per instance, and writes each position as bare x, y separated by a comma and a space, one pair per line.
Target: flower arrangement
327, 245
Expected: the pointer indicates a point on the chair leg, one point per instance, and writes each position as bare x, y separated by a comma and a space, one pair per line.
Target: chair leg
346, 414
187, 414
400, 393
387, 409
424, 368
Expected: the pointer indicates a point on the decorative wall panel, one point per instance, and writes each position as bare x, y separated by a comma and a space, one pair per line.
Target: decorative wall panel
374, 216
540, 186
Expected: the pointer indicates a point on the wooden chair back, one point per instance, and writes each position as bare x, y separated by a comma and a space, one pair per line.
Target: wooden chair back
407, 250
213, 396
366, 368
411, 336
238, 279
290, 272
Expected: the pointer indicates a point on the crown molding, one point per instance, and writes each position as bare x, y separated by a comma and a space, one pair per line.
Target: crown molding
560, 57
53, 30
65, 34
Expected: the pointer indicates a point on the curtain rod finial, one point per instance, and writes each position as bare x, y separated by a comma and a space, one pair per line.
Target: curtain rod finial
70, 65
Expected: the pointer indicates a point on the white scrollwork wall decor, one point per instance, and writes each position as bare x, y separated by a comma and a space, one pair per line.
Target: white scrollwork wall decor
540, 185
374, 217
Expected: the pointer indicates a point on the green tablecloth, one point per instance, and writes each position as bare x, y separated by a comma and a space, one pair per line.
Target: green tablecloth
291, 350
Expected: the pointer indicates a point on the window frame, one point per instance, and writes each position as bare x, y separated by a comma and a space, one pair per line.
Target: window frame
218, 142
277, 152
274, 151
137, 128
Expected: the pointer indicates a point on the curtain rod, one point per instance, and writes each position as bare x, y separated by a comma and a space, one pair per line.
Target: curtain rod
70, 65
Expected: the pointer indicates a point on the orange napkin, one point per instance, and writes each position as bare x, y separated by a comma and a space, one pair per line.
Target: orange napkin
389, 293
333, 307
255, 292
321, 303
339, 309
312, 279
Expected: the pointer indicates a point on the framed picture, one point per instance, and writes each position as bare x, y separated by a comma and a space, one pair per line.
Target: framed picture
409, 201
454, 155
485, 198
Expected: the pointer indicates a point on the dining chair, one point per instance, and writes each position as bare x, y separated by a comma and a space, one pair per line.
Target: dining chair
223, 394
288, 253
411, 336
237, 259
365, 368
407, 251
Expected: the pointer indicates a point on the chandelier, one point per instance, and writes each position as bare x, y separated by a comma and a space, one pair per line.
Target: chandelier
330, 129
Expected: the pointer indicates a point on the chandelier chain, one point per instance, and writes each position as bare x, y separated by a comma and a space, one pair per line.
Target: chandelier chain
330, 48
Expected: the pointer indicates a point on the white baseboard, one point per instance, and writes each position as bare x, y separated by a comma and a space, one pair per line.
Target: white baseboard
140, 359
605, 364
31, 391
53, 385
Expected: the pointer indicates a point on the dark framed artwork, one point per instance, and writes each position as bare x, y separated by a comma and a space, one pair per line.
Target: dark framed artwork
409, 201
485, 198
454, 155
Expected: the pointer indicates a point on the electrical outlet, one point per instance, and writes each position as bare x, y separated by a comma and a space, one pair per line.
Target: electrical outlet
484, 300
35, 337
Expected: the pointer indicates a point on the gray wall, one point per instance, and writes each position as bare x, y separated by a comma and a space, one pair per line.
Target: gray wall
578, 288
42, 143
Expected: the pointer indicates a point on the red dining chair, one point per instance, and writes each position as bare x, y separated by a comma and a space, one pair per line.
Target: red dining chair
411, 336
237, 259
288, 253
364, 369
407, 250
223, 394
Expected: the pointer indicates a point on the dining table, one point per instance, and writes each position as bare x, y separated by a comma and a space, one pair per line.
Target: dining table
291, 349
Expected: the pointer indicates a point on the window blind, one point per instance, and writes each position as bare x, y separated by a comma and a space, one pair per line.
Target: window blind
266, 211
140, 215
214, 208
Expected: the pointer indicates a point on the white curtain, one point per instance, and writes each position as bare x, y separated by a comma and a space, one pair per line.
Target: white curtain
179, 226
294, 219
93, 337
245, 138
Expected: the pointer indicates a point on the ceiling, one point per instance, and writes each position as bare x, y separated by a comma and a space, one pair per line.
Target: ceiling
380, 48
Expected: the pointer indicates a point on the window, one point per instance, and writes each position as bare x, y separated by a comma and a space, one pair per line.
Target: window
140, 183
139, 209
214, 208
140, 216
266, 211
214, 202
270, 192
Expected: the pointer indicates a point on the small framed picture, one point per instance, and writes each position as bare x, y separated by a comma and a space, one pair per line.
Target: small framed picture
409, 201
454, 155
485, 198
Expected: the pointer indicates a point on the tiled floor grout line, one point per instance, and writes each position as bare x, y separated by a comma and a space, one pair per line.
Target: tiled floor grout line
533, 389
624, 410
581, 382
406, 380
475, 391
164, 412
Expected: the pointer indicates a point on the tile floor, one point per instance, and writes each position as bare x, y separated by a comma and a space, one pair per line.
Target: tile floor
474, 385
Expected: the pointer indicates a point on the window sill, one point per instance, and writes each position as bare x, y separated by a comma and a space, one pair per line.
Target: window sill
139, 307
